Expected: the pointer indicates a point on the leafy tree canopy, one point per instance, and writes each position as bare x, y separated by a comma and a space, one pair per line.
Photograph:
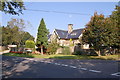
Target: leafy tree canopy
30, 44
14, 7
13, 33
101, 31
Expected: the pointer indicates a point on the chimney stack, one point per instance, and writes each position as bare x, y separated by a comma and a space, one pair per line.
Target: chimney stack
70, 29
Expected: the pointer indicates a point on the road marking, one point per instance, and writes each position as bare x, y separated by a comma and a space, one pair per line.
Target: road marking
56, 63
64, 65
41, 61
95, 71
48, 62
116, 74
83, 68
73, 67
35, 60
29, 59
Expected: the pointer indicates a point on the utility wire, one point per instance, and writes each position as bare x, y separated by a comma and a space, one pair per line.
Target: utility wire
58, 12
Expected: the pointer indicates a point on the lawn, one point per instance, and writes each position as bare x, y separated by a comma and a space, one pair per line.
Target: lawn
58, 56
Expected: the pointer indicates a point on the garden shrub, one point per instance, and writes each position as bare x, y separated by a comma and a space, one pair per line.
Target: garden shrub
30, 44
66, 51
85, 52
80, 52
52, 48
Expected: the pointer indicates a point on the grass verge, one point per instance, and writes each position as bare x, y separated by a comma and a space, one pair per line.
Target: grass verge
58, 56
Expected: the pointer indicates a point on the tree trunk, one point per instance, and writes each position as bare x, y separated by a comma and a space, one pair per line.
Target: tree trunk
41, 49
99, 54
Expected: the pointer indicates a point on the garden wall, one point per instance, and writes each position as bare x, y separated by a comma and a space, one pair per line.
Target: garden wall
76, 50
2, 48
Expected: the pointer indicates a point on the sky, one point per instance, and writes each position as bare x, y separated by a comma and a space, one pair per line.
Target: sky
60, 20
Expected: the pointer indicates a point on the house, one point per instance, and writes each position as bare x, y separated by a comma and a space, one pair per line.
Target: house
67, 37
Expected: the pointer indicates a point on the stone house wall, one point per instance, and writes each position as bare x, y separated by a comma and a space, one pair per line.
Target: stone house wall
72, 49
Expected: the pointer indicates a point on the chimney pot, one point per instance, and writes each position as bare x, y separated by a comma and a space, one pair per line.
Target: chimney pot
70, 28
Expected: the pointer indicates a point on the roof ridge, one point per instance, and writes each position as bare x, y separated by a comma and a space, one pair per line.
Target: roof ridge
78, 29
60, 29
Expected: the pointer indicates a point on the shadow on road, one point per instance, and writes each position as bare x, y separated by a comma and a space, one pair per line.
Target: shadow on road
19, 67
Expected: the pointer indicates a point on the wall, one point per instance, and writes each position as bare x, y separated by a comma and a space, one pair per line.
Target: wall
72, 50
2, 48
67, 42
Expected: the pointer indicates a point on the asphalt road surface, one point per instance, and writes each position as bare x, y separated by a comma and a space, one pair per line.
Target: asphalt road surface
18, 67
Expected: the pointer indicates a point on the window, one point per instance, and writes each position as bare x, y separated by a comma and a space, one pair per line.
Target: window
73, 34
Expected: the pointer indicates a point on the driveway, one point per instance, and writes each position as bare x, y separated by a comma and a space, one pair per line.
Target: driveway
19, 67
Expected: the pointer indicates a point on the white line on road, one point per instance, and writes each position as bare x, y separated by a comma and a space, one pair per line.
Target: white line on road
95, 71
64, 65
29, 59
41, 61
48, 62
73, 67
56, 63
35, 60
116, 74
83, 68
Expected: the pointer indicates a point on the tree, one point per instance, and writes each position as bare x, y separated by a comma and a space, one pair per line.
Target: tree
20, 23
13, 33
42, 35
115, 19
30, 44
13, 7
103, 32
20, 36
52, 47
17, 26
6, 36
14, 36
97, 33
26, 36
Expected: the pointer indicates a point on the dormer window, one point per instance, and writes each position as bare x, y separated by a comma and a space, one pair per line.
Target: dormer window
73, 34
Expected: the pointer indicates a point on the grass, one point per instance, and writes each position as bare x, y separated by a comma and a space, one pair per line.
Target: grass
58, 56
18, 55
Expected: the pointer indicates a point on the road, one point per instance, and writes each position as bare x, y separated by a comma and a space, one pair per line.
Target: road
19, 67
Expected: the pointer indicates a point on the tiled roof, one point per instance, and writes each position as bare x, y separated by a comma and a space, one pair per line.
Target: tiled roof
61, 33
49, 36
65, 35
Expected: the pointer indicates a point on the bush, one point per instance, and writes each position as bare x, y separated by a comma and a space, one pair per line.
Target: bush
30, 44
52, 48
85, 52
66, 51
78, 52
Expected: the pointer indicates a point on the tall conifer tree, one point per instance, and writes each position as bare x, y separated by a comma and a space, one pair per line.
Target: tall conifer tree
42, 35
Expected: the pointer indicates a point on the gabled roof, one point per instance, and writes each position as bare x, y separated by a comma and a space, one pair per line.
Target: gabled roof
75, 34
61, 33
49, 36
65, 35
